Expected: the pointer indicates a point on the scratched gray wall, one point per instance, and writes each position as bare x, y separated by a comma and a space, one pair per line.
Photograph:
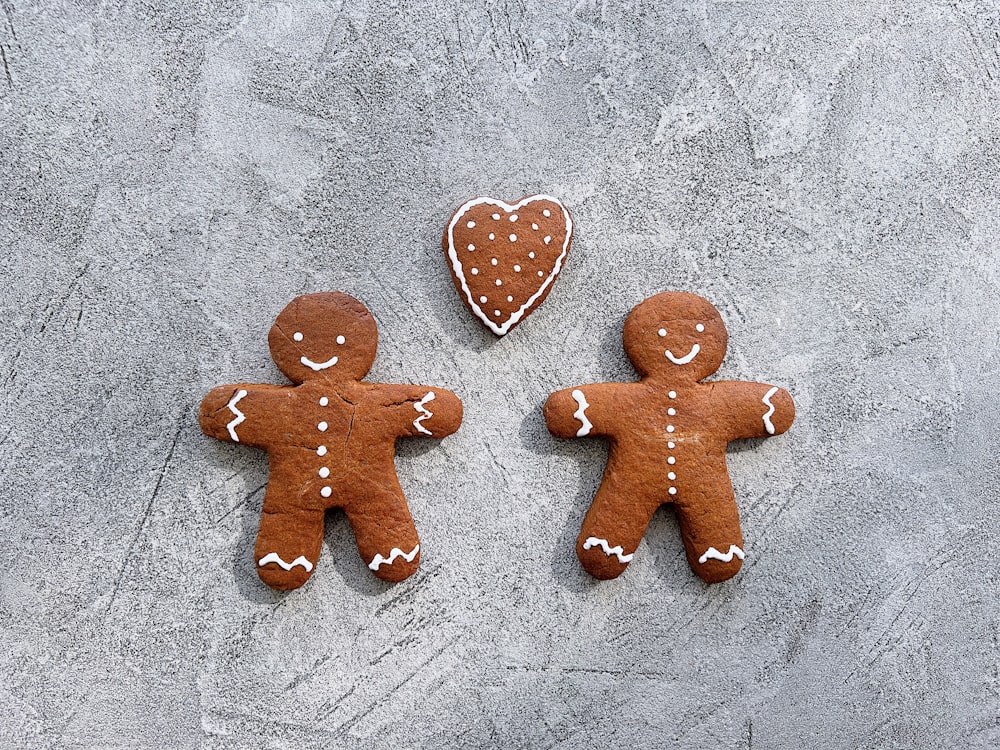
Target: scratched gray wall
826, 173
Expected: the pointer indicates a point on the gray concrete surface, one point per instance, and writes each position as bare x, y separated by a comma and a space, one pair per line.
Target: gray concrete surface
827, 173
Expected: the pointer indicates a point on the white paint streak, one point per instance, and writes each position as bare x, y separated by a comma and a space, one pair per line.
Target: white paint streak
580, 414
240, 416
593, 541
378, 561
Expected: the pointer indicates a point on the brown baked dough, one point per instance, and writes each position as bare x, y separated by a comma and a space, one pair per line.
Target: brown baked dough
668, 435
331, 440
504, 258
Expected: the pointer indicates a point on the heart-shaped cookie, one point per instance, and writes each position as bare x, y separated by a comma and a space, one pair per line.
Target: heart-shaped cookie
504, 258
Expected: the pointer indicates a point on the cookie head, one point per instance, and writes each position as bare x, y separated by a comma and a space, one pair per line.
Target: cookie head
328, 336
677, 335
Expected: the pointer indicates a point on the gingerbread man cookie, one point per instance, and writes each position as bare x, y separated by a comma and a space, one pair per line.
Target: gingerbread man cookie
331, 440
668, 435
504, 258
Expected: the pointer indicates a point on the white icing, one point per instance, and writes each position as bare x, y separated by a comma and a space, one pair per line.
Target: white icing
531, 254
546, 213
240, 416
517, 268
499, 282
662, 332
317, 366
471, 224
768, 424
672, 394
497, 313
593, 541
671, 475
713, 554
670, 428
699, 328
548, 239
492, 236
493, 261
513, 238
297, 336
321, 451
496, 217
501, 328
475, 271
324, 472
424, 414
274, 557
322, 426
671, 460
483, 298
378, 561
671, 445
510, 298
326, 491
471, 246
534, 226
581, 413
324, 401
671, 411
341, 340
672, 490
513, 217
686, 358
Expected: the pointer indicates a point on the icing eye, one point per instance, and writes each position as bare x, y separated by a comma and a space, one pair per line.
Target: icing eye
341, 339
471, 224
699, 328
662, 332
297, 336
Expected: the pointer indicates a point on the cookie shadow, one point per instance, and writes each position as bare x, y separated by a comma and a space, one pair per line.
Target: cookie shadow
591, 457
340, 552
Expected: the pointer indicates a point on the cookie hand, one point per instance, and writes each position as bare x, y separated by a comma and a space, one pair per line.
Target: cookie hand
568, 413
229, 412
758, 410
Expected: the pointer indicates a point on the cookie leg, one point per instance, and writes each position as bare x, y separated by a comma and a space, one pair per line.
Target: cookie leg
288, 543
710, 527
614, 526
387, 539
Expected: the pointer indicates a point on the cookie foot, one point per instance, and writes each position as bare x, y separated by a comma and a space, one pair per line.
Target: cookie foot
715, 566
397, 565
601, 559
281, 574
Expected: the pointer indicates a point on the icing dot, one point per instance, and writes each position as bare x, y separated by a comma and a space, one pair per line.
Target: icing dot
497, 313
322, 426
546, 213
531, 254
496, 217
341, 339
671, 411
471, 224
671, 460
493, 261
321, 451
513, 217
297, 336
672, 490
513, 238
662, 332
326, 491
671, 445
471, 246
534, 226
509, 298
499, 282
475, 271
492, 236
517, 269
699, 328
482, 299
672, 394
670, 428
671, 475
325, 472
548, 239
540, 274
324, 401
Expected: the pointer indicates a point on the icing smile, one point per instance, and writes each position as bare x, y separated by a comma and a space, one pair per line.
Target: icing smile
317, 366
686, 358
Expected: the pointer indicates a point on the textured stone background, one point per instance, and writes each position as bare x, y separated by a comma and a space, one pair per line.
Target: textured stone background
825, 172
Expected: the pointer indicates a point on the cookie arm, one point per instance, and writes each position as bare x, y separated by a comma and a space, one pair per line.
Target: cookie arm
756, 410
240, 413
423, 410
579, 412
